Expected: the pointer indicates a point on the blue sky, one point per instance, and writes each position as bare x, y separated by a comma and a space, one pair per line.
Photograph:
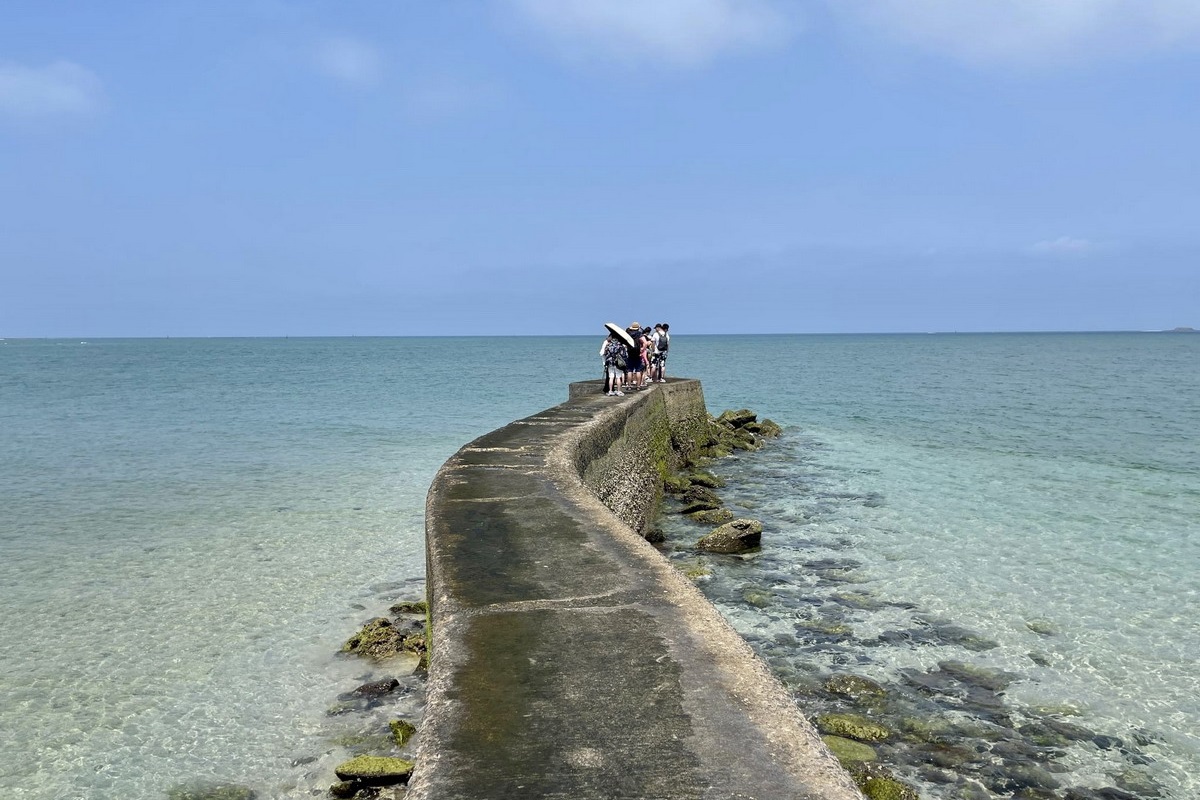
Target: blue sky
261, 167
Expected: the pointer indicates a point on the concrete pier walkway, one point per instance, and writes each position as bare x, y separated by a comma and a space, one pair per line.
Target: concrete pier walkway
569, 659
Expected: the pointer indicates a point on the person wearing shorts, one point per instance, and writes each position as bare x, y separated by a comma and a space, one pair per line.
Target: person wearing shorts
613, 374
658, 363
635, 365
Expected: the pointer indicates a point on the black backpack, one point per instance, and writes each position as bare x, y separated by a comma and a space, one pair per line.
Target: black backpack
664, 341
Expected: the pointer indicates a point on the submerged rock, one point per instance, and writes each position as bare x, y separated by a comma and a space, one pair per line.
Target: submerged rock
877, 783
737, 536
402, 731
377, 688
995, 680
712, 516
856, 688
852, 726
1042, 627
848, 751
223, 791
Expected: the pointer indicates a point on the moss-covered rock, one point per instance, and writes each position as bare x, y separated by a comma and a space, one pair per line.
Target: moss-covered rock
737, 419
375, 770
402, 731
852, 726
699, 498
742, 440
410, 607
1042, 627
995, 680
759, 598
848, 751
693, 570
380, 639
676, 484
856, 688
768, 429
737, 536
825, 627
712, 516
881, 788
705, 479
344, 789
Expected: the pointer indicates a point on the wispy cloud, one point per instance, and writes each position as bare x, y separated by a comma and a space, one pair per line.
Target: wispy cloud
1064, 245
351, 61
680, 33
1030, 33
60, 89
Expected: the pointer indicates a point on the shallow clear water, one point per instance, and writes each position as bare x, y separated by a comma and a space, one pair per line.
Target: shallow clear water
191, 528
996, 483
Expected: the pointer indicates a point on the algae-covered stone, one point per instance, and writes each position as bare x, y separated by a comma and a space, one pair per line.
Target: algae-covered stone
768, 429
344, 789
877, 783
706, 479
744, 441
410, 607
738, 418
1042, 627
848, 751
888, 789
827, 627
759, 598
712, 516
676, 484
852, 726
737, 536
223, 791
995, 680
701, 497
378, 639
375, 770
695, 571
856, 688
402, 731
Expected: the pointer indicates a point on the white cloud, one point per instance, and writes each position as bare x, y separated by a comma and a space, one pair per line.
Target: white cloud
1030, 32
349, 60
60, 89
1064, 245
681, 33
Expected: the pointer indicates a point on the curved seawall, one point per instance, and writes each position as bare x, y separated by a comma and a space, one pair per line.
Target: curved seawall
568, 658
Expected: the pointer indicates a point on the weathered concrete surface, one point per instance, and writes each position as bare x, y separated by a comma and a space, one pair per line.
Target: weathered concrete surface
569, 659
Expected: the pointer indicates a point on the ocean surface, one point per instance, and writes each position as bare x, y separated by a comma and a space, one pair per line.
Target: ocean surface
189, 530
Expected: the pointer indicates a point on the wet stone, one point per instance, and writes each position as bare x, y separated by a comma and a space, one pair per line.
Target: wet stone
992, 679
856, 688
376, 688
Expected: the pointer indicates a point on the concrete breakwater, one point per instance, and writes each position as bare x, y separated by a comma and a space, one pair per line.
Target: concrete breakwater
568, 658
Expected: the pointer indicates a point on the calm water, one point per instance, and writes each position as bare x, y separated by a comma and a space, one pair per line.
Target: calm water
192, 527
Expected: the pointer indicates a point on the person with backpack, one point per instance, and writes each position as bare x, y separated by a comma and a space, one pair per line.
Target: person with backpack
615, 355
658, 362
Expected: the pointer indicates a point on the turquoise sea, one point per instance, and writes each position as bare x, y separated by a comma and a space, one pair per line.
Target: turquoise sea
191, 528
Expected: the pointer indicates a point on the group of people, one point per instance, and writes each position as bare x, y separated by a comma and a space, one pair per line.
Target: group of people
634, 357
